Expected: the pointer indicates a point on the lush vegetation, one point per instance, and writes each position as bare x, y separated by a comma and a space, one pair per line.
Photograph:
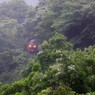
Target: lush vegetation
20, 22
65, 31
12, 57
57, 70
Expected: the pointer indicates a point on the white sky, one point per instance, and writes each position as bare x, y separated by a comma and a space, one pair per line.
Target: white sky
32, 2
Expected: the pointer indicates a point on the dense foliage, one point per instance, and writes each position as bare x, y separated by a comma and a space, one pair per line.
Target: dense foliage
73, 18
65, 31
57, 70
12, 57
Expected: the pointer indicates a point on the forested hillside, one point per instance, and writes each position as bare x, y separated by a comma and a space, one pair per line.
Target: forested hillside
12, 59
64, 31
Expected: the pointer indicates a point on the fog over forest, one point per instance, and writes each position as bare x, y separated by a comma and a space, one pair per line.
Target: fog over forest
47, 48
29, 2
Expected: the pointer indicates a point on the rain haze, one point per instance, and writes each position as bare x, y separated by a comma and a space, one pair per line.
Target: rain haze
47, 47
29, 2
32, 2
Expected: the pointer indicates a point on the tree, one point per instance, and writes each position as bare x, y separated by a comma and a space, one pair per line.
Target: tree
14, 9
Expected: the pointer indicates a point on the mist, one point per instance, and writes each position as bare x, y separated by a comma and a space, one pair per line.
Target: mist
32, 2
29, 2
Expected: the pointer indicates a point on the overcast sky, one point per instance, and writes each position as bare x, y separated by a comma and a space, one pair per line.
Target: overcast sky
30, 2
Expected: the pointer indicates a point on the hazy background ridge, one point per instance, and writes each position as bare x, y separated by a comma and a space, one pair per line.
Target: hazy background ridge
29, 2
